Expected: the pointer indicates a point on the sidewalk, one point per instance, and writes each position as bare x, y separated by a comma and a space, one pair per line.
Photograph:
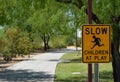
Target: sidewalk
40, 68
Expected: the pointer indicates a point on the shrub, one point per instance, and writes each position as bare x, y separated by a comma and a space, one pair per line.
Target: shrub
23, 43
5, 49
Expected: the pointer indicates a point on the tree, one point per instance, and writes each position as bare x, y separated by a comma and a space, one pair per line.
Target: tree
40, 24
48, 22
105, 11
115, 23
13, 15
43, 17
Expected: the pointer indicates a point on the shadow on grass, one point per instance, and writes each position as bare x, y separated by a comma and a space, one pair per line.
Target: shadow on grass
72, 79
24, 76
106, 76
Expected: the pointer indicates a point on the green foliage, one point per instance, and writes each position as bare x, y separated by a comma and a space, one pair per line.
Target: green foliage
5, 49
7, 46
37, 43
11, 33
48, 22
58, 42
41, 17
70, 40
79, 42
2, 33
104, 9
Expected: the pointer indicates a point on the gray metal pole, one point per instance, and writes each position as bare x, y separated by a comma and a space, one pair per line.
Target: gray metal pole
96, 72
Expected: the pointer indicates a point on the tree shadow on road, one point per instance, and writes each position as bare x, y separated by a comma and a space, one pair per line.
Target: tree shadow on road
24, 76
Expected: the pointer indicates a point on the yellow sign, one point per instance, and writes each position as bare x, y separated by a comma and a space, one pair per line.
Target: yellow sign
96, 43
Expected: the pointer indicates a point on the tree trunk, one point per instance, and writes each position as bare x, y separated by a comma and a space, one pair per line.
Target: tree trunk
45, 47
115, 51
46, 39
45, 44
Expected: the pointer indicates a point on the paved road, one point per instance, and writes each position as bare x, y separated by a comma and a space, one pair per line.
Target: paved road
40, 68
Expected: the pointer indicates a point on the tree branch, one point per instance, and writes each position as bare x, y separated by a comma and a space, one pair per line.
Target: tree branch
115, 19
79, 4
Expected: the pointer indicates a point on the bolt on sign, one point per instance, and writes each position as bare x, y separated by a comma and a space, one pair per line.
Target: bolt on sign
96, 43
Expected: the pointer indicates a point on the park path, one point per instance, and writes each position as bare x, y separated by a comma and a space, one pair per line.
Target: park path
40, 68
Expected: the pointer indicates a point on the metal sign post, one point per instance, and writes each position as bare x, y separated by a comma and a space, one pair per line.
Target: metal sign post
96, 72
89, 22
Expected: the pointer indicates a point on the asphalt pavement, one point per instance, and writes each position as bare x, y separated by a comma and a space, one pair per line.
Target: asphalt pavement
40, 68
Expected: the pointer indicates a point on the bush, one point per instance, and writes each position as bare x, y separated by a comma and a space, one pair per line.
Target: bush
6, 51
9, 38
23, 44
14, 43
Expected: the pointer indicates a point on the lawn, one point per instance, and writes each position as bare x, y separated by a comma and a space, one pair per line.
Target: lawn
76, 71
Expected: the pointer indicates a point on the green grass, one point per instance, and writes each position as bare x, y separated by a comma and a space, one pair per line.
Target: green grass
64, 70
